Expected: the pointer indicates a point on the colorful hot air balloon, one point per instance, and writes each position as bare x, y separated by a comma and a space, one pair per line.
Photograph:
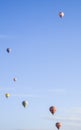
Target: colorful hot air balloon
8, 50
58, 125
7, 95
61, 14
25, 103
52, 109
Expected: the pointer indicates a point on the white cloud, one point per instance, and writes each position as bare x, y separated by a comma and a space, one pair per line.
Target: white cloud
69, 121
26, 95
7, 88
69, 118
32, 129
57, 90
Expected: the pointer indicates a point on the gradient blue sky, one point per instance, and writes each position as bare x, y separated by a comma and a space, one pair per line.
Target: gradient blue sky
45, 58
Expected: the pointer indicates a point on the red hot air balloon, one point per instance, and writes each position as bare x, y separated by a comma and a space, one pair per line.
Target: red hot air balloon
58, 125
52, 109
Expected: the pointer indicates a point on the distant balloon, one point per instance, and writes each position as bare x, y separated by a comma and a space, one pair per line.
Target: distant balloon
58, 125
61, 14
52, 109
8, 50
7, 95
14, 79
25, 103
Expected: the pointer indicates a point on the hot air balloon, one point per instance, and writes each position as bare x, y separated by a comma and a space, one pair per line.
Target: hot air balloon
58, 125
14, 79
25, 103
7, 95
61, 14
8, 50
52, 109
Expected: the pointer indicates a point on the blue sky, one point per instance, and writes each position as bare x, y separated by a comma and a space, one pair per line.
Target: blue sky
45, 59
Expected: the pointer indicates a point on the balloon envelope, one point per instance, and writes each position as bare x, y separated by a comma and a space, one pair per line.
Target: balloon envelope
25, 103
8, 50
52, 109
7, 95
14, 79
58, 125
61, 14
